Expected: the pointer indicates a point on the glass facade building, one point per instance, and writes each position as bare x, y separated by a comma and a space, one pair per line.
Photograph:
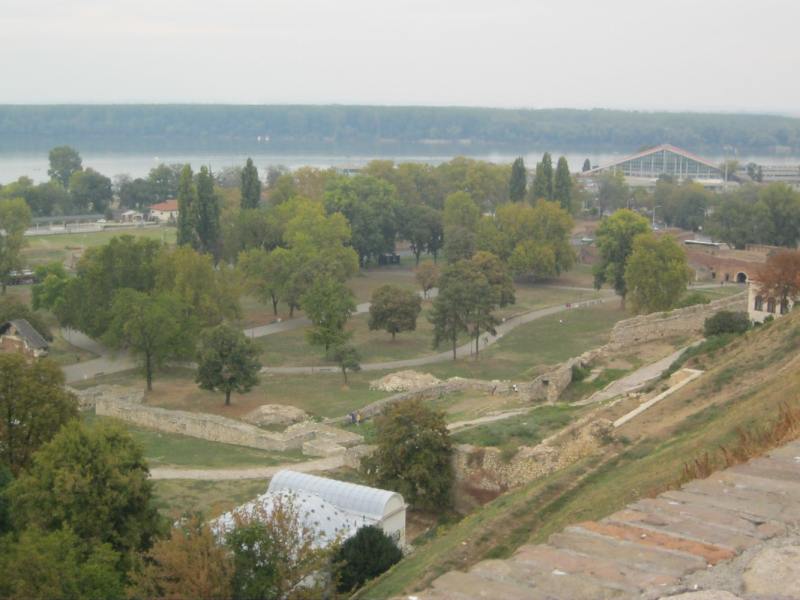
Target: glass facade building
664, 159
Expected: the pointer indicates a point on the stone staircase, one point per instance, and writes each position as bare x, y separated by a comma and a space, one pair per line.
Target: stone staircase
646, 548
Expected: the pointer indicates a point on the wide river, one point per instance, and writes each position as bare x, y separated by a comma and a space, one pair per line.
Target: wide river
34, 165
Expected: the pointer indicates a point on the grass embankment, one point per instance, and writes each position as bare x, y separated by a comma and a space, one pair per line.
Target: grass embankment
746, 384
174, 498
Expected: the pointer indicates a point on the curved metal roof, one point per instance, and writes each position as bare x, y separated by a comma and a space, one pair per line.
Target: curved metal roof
358, 499
329, 522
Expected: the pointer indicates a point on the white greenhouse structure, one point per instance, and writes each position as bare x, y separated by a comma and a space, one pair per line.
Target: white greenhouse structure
332, 508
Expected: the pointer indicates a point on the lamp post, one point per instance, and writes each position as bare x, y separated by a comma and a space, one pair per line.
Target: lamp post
654, 216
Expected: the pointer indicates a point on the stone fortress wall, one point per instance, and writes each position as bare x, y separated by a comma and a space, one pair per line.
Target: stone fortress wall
683, 320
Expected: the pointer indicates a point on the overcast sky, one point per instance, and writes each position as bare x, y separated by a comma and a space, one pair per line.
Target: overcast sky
729, 55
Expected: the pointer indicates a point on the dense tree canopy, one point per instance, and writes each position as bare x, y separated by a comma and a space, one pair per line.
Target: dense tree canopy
614, 239
64, 161
227, 361
656, 274
15, 218
413, 454
393, 309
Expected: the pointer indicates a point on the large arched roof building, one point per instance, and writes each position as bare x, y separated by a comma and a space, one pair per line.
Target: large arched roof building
663, 159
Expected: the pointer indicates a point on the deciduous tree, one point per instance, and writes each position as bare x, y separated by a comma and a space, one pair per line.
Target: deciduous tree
427, 275
33, 406
189, 563
347, 357
227, 361
276, 554
413, 454
94, 481
612, 190
393, 309
329, 305
421, 226
64, 161
15, 218
90, 190
154, 329
614, 240
656, 274
779, 276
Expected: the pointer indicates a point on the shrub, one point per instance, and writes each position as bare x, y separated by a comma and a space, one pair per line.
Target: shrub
579, 372
726, 321
364, 556
694, 299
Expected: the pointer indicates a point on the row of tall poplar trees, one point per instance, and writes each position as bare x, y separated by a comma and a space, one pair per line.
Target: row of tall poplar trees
553, 187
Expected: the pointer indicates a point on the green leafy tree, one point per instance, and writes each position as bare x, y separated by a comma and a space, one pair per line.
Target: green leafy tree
276, 554
562, 185
460, 211
34, 404
329, 305
612, 190
209, 296
208, 214
347, 357
138, 194
154, 329
519, 181
614, 240
265, 274
427, 275
284, 190
252, 229
497, 277
459, 244
188, 563
783, 205
656, 274
163, 182
587, 166
90, 190
393, 309
413, 454
421, 225
727, 322
187, 209
227, 361
251, 186
57, 564
54, 281
64, 161
369, 553
370, 205
124, 262
15, 218
94, 481
6, 479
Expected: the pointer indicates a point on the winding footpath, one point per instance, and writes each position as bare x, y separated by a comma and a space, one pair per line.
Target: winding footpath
116, 361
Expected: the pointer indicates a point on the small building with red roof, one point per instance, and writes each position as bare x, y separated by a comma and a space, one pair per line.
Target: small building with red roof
164, 212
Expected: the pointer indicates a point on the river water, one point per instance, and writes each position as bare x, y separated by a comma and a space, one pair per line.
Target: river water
138, 164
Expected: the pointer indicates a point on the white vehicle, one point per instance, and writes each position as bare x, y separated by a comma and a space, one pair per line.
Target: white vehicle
586, 240
102, 221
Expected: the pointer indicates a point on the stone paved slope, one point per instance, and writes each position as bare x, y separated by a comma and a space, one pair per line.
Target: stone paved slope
647, 548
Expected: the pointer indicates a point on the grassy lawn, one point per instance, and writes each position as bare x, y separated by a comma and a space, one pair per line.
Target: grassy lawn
174, 498
522, 430
48, 248
172, 450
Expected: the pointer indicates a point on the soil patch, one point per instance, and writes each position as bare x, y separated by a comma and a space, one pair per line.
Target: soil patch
275, 414
404, 381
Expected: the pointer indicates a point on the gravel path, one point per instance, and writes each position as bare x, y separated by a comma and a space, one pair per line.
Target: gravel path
321, 464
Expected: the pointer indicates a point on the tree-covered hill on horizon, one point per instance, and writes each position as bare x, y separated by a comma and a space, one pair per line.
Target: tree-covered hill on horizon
552, 128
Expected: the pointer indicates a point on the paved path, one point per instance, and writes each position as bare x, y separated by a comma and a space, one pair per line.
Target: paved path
321, 464
114, 362
461, 351
646, 549
636, 379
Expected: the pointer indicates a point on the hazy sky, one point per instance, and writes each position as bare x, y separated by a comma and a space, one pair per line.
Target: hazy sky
731, 55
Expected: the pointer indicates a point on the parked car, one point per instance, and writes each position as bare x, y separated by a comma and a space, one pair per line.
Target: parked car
102, 221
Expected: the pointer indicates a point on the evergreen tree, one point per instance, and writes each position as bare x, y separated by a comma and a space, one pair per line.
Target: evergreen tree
562, 186
587, 165
208, 213
542, 186
518, 182
187, 201
369, 553
251, 186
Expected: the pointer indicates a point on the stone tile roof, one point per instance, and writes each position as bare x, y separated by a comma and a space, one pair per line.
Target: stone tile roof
28, 333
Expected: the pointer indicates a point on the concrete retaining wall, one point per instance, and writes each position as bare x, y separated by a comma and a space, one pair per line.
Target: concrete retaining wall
650, 327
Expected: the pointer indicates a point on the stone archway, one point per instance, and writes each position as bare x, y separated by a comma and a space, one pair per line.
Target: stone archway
741, 277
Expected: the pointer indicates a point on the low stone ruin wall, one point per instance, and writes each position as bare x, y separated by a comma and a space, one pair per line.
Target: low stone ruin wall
486, 464
549, 386
315, 439
657, 325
